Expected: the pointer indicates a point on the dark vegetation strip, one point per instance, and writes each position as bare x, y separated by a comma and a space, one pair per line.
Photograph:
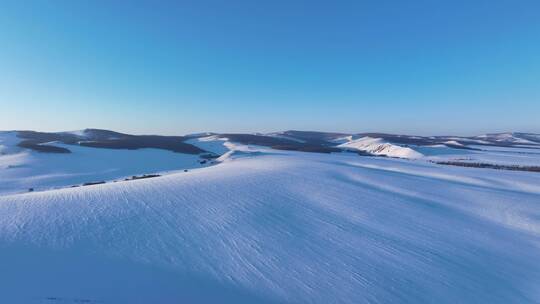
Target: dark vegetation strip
277, 143
105, 139
314, 138
136, 177
259, 140
304, 148
209, 156
42, 137
93, 183
36, 146
139, 142
490, 166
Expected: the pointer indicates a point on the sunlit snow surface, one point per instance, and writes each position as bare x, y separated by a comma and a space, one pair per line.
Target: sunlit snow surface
378, 146
21, 169
279, 227
483, 154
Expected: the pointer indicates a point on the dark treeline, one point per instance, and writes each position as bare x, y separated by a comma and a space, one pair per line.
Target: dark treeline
490, 166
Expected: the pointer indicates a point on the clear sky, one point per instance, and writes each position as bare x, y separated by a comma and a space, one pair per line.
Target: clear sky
414, 67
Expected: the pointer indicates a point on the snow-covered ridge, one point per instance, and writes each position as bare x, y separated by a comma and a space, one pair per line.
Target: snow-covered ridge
211, 143
453, 143
22, 169
343, 139
512, 138
283, 136
378, 146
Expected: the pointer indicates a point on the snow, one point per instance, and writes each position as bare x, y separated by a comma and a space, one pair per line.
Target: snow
486, 154
79, 133
507, 138
8, 143
378, 146
453, 142
343, 139
280, 227
213, 143
269, 226
200, 134
21, 169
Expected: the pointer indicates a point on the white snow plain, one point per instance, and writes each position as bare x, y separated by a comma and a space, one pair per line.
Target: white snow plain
279, 227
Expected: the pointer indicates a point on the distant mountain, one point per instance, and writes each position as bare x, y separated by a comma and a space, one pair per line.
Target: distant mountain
511, 138
96, 138
309, 141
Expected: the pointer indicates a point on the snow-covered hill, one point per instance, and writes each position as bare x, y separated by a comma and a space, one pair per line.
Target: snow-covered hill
24, 169
378, 146
96, 155
8, 143
512, 138
279, 227
212, 143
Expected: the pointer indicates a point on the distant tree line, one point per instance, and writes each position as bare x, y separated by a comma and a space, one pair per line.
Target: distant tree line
490, 166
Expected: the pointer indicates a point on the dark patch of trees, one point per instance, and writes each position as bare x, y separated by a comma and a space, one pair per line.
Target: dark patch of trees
135, 177
260, 140
209, 156
490, 166
43, 137
305, 148
93, 183
313, 137
97, 138
278, 143
171, 143
36, 146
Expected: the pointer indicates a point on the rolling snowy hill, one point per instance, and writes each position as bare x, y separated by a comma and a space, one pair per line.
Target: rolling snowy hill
280, 227
269, 226
32, 160
23, 169
378, 146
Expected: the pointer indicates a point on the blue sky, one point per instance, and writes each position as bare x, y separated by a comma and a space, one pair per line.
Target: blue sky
415, 67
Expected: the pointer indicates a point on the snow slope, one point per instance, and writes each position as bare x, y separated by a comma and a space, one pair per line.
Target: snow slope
501, 155
483, 154
378, 146
8, 143
280, 227
21, 169
511, 138
212, 143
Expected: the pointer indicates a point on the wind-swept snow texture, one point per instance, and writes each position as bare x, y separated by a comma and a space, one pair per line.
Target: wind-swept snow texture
280, 227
